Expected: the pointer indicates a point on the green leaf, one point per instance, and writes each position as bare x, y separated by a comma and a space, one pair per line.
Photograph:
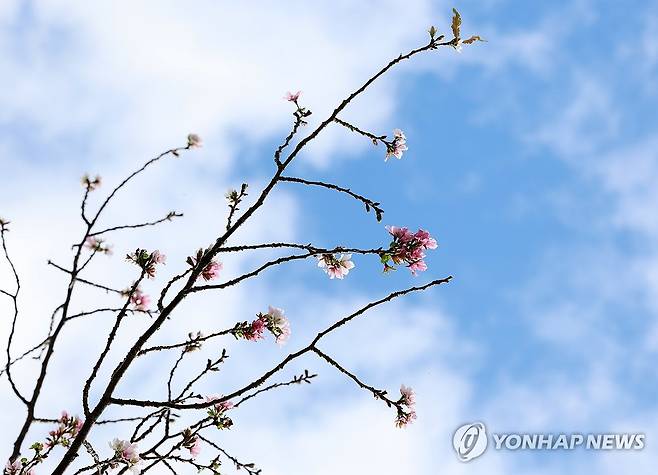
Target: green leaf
432, 31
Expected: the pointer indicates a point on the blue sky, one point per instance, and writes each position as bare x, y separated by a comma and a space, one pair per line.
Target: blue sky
532, 159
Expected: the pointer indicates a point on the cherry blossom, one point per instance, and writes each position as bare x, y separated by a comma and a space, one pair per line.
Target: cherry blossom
210, 271
336, 267
218, 412
403, 419
68, 427
278, 324
140, 300
274, 321
194, 141
292, 97
98, 245
13, 468
408, 399
398, 146
407, 248
147, 261
126, 453
195, 448
257, 327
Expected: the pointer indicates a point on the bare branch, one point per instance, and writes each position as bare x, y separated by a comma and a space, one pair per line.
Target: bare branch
170, 216
367, 202
84, 281
14, 298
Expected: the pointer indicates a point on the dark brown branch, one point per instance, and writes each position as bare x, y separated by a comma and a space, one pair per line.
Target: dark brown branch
170, 216
104, 310
196, 340
374, 138
108, 344
249, 467
166, 288
84, 281
25, 354
303, 378
14, 298
173, 151
299, 120
377, 393
234, 199
83, 205
367, 202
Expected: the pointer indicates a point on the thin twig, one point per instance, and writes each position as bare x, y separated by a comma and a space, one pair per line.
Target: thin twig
367, 202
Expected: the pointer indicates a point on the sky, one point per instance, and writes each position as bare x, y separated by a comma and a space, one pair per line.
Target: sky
532, 159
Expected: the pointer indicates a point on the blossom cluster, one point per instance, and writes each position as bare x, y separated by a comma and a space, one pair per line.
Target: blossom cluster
147, 261
125, 453
397, 147
407, 248
210, 271
91, 183
406, 407
217, 412
68, 428
274, 321
15, 468
98, 245
336, 267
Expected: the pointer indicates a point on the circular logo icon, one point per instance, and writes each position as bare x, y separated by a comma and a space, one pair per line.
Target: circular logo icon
470, 441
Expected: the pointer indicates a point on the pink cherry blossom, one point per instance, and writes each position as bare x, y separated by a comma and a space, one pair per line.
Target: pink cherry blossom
278, 324
158, 257
211, 271
336, 267
408, 399
398, 146
257, 328
13, 468
424, 237
408, 396
140, 300
147, 261
195, 448
125, 451
98, 245
292, 97
403, 419
408, 248
222, 406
